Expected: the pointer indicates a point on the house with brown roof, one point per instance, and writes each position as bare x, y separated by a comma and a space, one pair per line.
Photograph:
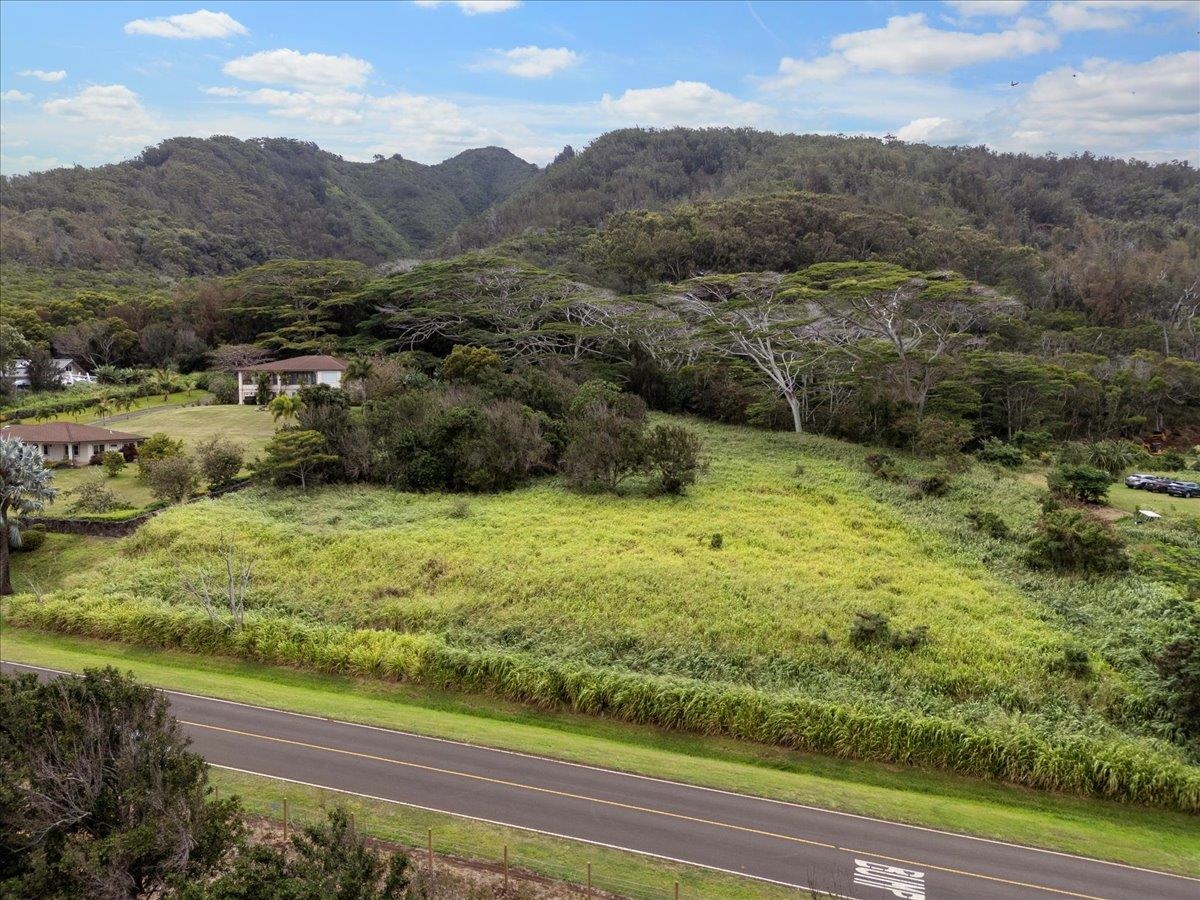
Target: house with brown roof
69, 442
287, 376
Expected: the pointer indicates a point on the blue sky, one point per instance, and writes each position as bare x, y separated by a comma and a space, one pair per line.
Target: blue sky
91, 83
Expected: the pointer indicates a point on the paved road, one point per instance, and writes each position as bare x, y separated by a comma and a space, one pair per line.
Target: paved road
768, 840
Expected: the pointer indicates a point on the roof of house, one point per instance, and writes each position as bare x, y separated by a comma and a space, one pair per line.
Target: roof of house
66, 433
301, 364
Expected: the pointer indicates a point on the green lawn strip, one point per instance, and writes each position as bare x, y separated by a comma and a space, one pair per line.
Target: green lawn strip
115, 421
1139, 836
1130, 500
628, 874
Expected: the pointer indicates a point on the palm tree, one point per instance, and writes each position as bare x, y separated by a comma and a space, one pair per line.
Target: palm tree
358, 370
105, 407
284, 407
164, 382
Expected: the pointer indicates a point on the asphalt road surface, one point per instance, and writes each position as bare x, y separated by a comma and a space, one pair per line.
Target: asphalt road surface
772, 841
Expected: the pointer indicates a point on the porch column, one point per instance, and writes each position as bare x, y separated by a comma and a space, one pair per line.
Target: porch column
70, 454
278, 384
241, 393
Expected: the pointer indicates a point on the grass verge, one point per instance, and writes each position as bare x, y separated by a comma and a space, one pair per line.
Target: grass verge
1135, 835
620, 872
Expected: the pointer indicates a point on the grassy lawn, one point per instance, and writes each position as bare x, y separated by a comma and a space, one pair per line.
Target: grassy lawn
1133, 835
245, 425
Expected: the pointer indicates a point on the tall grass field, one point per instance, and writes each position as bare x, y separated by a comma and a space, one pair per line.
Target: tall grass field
728, 610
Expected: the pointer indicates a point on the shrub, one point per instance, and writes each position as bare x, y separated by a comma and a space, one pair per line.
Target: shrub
989, 523
172, 479
219, 460
1075, 661
113, 462
935, 485
1113, 457
223, 387
459, 509
1178, 664
675, 455
606, 447
869, 628
159, 445
996, 451
936, 436
914, 638
477, 365
317, 395
1170, 461
27, 539
1084, 483
295, 455
94, 496
1075, 541
717, 541
882, 465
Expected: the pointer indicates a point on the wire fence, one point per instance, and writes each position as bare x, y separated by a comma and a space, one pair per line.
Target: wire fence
451, 859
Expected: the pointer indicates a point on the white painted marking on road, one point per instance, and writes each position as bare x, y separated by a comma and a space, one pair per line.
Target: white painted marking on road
907, 884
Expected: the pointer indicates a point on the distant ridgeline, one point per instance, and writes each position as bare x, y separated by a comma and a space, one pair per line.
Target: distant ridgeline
1105, 237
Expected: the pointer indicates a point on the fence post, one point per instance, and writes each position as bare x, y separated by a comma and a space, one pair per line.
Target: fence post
285, 819
430, 849
677, 890
589, 889
506, 870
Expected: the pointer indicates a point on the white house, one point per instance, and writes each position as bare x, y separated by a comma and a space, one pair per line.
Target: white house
69, 372
69, 442
287, 376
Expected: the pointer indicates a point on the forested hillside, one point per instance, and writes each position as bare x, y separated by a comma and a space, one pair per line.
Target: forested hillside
193, 206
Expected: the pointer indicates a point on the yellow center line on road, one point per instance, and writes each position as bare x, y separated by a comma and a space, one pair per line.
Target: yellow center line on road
629, 806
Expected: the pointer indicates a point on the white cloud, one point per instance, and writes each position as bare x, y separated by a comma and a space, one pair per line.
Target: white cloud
907, 45
185, 26
933, 130
15, 96
530, 62
99, 102
970, 9
221, 91
473, 7
322, 108
1114, 107
682, 103
43, 75
1110, 15
304, 69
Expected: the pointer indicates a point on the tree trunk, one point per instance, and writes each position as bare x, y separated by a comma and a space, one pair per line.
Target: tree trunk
5, 579
794, 405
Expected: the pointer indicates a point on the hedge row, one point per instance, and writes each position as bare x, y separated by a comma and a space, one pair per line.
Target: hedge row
1119, 770
73, 403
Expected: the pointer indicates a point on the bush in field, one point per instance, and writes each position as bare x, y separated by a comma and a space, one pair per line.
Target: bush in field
93, 496
295, 456
322, 395
989, 523
874, 629
329, 859
28, 539
606, 447
172, 479
219, 460
113, 462
675, 456
1075, 661
937, 436
1072, 540
1178, 665
1114, 457
936, 484
997, 451
1086, 484
346, 437
159, 445
882, 465
99, 795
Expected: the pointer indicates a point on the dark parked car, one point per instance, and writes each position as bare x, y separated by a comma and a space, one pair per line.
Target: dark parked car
1156, 485
1183, 489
